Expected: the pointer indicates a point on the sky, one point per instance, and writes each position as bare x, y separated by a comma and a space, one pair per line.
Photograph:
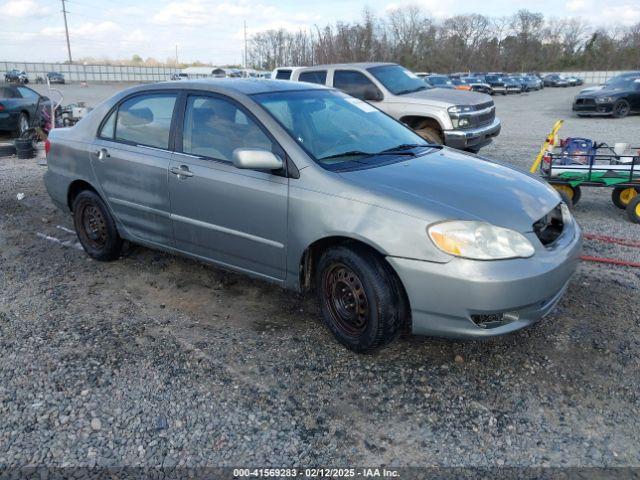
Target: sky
211, 31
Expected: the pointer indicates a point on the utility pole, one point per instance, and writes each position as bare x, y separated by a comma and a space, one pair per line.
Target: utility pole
245, 44
66, 30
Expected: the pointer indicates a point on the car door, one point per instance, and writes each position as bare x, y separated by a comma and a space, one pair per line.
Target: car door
29, 102
231, 216
130, 159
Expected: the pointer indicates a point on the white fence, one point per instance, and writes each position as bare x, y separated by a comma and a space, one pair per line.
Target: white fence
91, 73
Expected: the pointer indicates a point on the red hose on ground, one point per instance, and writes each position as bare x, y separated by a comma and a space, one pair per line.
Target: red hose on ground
616, 241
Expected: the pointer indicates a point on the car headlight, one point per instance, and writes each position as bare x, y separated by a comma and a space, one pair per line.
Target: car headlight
479, 240
460, 109
604, 99
460, 122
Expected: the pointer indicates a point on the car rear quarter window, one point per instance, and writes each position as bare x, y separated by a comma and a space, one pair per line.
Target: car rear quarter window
108, 126
146, 120
316, 76
283, 74
215, 127
28, 93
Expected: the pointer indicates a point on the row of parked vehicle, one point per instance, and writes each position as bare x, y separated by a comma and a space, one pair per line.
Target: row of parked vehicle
21, 77
498, 83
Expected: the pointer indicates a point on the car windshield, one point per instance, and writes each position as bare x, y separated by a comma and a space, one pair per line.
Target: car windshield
398, 80
439, 80
493, 78
621, 83
337, 130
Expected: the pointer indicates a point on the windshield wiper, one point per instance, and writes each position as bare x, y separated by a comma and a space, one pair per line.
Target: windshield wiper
401, 149
351, 153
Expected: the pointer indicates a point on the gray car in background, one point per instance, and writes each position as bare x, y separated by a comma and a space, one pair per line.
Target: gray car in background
310, 188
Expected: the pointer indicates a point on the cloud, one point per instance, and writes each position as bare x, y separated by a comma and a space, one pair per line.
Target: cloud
23, 9
434, 8
576, 5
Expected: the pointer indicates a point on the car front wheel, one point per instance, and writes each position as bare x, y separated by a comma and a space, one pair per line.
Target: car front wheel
621, 109
96, 227
361, 299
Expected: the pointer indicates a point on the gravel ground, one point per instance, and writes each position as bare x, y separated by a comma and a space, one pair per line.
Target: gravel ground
156, 360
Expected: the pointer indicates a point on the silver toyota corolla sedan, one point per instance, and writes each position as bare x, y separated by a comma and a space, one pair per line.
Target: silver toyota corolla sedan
309, 188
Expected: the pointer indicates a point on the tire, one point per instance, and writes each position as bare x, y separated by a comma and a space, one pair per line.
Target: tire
23, 124
96, 227
622, 196
573, 194
430, 134
621, 109
633, 210
376, 317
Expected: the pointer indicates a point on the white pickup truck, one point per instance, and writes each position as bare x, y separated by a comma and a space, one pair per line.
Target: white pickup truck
459, 119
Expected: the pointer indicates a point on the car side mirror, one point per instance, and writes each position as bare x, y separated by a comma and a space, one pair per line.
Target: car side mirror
256, 159
372, 95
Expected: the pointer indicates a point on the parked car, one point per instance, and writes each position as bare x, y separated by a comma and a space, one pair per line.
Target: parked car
179, 76
55, 77
312, 189
19, 107
533, 82
555, 80
460, 84
478, 84
16, 76
439, 81
497, 83
464, 120
512, 85
617, 99
574, 81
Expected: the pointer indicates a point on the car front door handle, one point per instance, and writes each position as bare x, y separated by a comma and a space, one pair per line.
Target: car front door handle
102, 154
182, 171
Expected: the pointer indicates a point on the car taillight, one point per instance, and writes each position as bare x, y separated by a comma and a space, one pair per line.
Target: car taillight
47, 146
1, 107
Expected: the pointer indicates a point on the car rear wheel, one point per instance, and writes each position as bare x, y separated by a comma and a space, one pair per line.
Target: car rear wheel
633, 210
96, 227
621, 196
621, 109
361, 299
430, 134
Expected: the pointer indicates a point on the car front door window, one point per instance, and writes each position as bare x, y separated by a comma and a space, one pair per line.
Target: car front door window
215, 127
356, 84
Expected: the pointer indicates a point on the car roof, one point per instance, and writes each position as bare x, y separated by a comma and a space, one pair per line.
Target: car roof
246, 86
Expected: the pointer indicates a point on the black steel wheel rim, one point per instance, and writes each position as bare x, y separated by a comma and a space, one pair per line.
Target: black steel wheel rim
345, 299
94, 227
621, 108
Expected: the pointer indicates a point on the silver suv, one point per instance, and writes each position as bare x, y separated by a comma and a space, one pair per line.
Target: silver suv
458, 119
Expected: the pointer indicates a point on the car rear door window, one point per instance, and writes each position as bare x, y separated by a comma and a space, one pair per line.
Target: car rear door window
354, 83
146, 120
283, 74
214, 127
316, 76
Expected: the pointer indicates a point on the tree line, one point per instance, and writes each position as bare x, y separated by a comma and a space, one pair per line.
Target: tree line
524, 41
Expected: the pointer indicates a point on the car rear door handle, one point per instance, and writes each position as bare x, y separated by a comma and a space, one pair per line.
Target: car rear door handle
102, 154
181, 172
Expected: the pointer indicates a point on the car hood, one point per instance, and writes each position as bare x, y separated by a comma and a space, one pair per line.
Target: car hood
447, 184
446, 96
602, 92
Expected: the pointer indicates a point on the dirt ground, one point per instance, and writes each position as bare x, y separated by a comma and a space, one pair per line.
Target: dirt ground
155, 360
